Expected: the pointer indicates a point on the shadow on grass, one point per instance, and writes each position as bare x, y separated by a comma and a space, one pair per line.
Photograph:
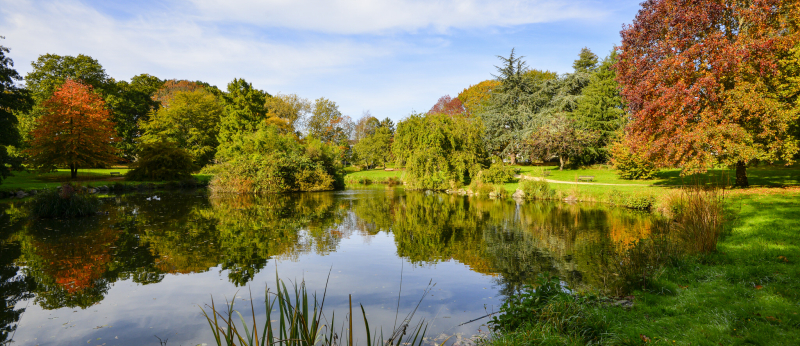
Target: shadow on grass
761, 176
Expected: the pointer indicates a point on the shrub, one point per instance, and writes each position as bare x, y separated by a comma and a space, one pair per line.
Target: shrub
161, 161
480, 188
267, 161
537, 189
69, 201
630, 165
500, 192
497, 173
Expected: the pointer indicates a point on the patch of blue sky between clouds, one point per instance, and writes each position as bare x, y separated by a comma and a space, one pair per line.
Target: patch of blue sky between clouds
357, 55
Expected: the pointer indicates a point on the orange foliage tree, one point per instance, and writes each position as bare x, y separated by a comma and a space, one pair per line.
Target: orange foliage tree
76, 130
702, 82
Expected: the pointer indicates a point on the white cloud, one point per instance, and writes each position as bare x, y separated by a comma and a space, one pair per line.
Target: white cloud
397, 61
369, 16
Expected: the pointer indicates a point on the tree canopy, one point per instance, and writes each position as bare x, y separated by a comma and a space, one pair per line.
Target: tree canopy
702, 79
439, 151
12, 99
191, 121
75, 130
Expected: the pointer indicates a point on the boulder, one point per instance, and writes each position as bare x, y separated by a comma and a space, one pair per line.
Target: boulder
21, 194
519, 194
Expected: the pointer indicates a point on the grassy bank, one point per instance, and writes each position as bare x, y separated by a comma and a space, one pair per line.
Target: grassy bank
87, 177
746, 292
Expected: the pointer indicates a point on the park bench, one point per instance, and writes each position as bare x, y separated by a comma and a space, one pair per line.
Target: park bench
586, 178
114, 173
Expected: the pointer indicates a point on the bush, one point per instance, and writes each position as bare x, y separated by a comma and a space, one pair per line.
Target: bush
69, 201
537, 189
497, 173
161, 161
630, 165
267, 161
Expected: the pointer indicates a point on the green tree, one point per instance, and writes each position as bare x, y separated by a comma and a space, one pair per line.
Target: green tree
50, 71
560, 137
245, 110
511, 110
376, 147
328, 124
439, 151
12, 99
130, 103
192, 121
161, 161
601, 109
289, 108
587, 61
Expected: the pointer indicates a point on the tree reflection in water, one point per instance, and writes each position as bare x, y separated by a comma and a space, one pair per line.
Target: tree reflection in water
72, 263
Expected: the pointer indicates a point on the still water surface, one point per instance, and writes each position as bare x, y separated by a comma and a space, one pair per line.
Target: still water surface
146, 268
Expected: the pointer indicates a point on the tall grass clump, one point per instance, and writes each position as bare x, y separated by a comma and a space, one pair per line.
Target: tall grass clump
537, 189
547, 314
697, 217
301, 322
69, 201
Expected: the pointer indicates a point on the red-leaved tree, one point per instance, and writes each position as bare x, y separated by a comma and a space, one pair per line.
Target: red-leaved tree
76, 130
448, 105
702, 81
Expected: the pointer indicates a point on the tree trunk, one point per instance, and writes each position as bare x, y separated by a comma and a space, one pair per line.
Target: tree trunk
561, 163
741, 174
73, 171
513, 159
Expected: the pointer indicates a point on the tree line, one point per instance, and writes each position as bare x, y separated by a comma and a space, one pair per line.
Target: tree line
692, 85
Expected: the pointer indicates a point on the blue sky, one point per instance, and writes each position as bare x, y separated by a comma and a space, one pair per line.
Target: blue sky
388, 57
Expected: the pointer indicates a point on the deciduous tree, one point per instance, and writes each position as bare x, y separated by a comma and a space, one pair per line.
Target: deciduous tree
477, 97
699, 78
560, 137
327, 123
75, 130
191, 120
448, 105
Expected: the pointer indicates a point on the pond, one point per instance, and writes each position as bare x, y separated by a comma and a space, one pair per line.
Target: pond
148, 264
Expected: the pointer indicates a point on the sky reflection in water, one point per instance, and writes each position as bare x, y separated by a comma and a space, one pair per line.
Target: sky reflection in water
146, 267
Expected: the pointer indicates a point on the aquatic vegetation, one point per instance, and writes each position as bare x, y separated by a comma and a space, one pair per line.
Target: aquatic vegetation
68, 201
301, 322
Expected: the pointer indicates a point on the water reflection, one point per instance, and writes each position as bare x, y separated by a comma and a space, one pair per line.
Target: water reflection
76, 263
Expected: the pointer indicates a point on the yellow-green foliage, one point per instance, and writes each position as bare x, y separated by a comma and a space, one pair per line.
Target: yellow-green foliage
161, 161
497, 173
439, 151
268, 161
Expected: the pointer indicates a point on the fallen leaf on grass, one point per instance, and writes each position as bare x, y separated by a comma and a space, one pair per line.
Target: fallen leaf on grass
644, 338
784, 259
758, 287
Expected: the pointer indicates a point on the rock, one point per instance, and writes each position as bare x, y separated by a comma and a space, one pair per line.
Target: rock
519, 194
102, 188
492, 194
21, 194
92, 190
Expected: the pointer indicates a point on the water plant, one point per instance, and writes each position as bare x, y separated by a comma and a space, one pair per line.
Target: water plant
301, 322
68, 201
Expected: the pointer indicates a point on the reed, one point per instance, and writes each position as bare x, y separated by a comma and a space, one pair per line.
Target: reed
301, 322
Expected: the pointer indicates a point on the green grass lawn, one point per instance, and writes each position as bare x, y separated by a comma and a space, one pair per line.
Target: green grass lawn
746, 293
379, 174
87, 177
765, 175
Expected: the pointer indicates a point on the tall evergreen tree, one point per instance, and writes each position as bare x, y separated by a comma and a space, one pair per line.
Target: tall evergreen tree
600, 109
244, 113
